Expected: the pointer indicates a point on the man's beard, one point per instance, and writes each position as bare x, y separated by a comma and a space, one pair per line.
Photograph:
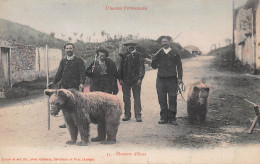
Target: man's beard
166, 46
69, 53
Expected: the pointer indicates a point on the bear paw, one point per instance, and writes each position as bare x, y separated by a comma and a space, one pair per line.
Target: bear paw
82, 143
70, 142
108, 142
97, 139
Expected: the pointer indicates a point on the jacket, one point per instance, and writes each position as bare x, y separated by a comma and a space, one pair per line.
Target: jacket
131, 67
71, 73
111, 72
168, 64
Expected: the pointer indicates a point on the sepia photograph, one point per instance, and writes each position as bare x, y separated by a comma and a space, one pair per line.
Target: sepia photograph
130, 81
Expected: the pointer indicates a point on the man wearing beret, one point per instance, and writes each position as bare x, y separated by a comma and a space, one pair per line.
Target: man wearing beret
169, 75
131, 72
103, 73
71, 72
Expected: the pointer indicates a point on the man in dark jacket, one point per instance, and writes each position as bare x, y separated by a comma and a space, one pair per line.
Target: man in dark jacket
103, 73
169, 76
131, 72
71, 71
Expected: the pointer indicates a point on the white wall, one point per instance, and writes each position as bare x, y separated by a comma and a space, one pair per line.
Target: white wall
54, 58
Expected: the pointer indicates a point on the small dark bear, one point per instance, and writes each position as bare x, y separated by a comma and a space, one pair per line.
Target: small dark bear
197, 97
80, 109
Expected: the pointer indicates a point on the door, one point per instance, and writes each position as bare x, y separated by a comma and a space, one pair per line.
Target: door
5, 61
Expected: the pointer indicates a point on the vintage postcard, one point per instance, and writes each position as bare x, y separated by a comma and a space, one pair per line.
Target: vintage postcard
129, 81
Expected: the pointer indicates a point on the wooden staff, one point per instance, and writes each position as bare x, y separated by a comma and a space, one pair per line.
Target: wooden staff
94, 65
47, 86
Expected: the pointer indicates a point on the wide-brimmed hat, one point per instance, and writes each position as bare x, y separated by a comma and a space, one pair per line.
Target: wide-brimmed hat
164, 36
64, 46
103, 51
130, 42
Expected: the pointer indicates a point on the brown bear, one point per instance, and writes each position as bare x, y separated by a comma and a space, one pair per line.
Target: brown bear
80, 109
197, 96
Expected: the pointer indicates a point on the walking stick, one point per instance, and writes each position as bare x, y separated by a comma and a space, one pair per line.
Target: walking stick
93, 67
47, 86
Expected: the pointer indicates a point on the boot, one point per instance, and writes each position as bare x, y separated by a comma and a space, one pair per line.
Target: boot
97, 139
126, 118
162, 122
173, 122
63, 126
139, 119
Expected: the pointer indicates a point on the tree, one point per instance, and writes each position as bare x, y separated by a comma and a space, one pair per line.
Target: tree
69, 39
228, 41
103, 33
130, 36
81, 35
63, 35
52, 34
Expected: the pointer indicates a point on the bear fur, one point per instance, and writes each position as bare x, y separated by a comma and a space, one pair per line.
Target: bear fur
197, 96
80, 109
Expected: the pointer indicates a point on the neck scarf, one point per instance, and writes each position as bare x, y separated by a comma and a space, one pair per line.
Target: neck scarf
70, 57
167, 50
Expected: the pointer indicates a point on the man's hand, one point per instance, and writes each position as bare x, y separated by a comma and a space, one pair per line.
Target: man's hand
121, 82
139, 82
180, 81
81, 87
51, 85
153, 56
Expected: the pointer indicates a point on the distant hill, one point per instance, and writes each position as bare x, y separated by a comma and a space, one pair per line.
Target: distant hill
227, 51
26, 35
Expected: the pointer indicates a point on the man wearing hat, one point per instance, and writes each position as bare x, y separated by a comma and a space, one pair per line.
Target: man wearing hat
103, 73
71, 71
169, 75
131, 72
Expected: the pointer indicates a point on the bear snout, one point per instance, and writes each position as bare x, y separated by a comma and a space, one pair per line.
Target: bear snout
202, 101
54, 112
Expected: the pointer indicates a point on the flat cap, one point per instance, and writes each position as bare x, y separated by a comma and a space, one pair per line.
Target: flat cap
103, 51
166, 37
68, 44
130, 42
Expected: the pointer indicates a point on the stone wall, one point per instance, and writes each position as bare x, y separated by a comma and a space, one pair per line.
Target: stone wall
22, 63
28, 63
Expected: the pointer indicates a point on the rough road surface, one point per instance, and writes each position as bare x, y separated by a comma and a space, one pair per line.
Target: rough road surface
24, 125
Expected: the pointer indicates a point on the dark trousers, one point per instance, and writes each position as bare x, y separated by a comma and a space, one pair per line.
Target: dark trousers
167, 87
137, 99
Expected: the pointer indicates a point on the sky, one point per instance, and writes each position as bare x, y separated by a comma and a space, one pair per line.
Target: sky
200, 22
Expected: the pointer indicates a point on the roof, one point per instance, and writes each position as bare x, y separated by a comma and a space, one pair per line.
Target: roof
191, 47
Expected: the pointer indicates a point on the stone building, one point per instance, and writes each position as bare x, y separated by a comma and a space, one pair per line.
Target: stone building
24, 62
247, 34
193, 50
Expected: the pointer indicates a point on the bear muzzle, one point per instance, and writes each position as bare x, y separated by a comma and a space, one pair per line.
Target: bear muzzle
54, 112
202, 101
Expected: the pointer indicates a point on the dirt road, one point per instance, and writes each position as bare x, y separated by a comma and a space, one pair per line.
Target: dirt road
24, 124
30, 125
